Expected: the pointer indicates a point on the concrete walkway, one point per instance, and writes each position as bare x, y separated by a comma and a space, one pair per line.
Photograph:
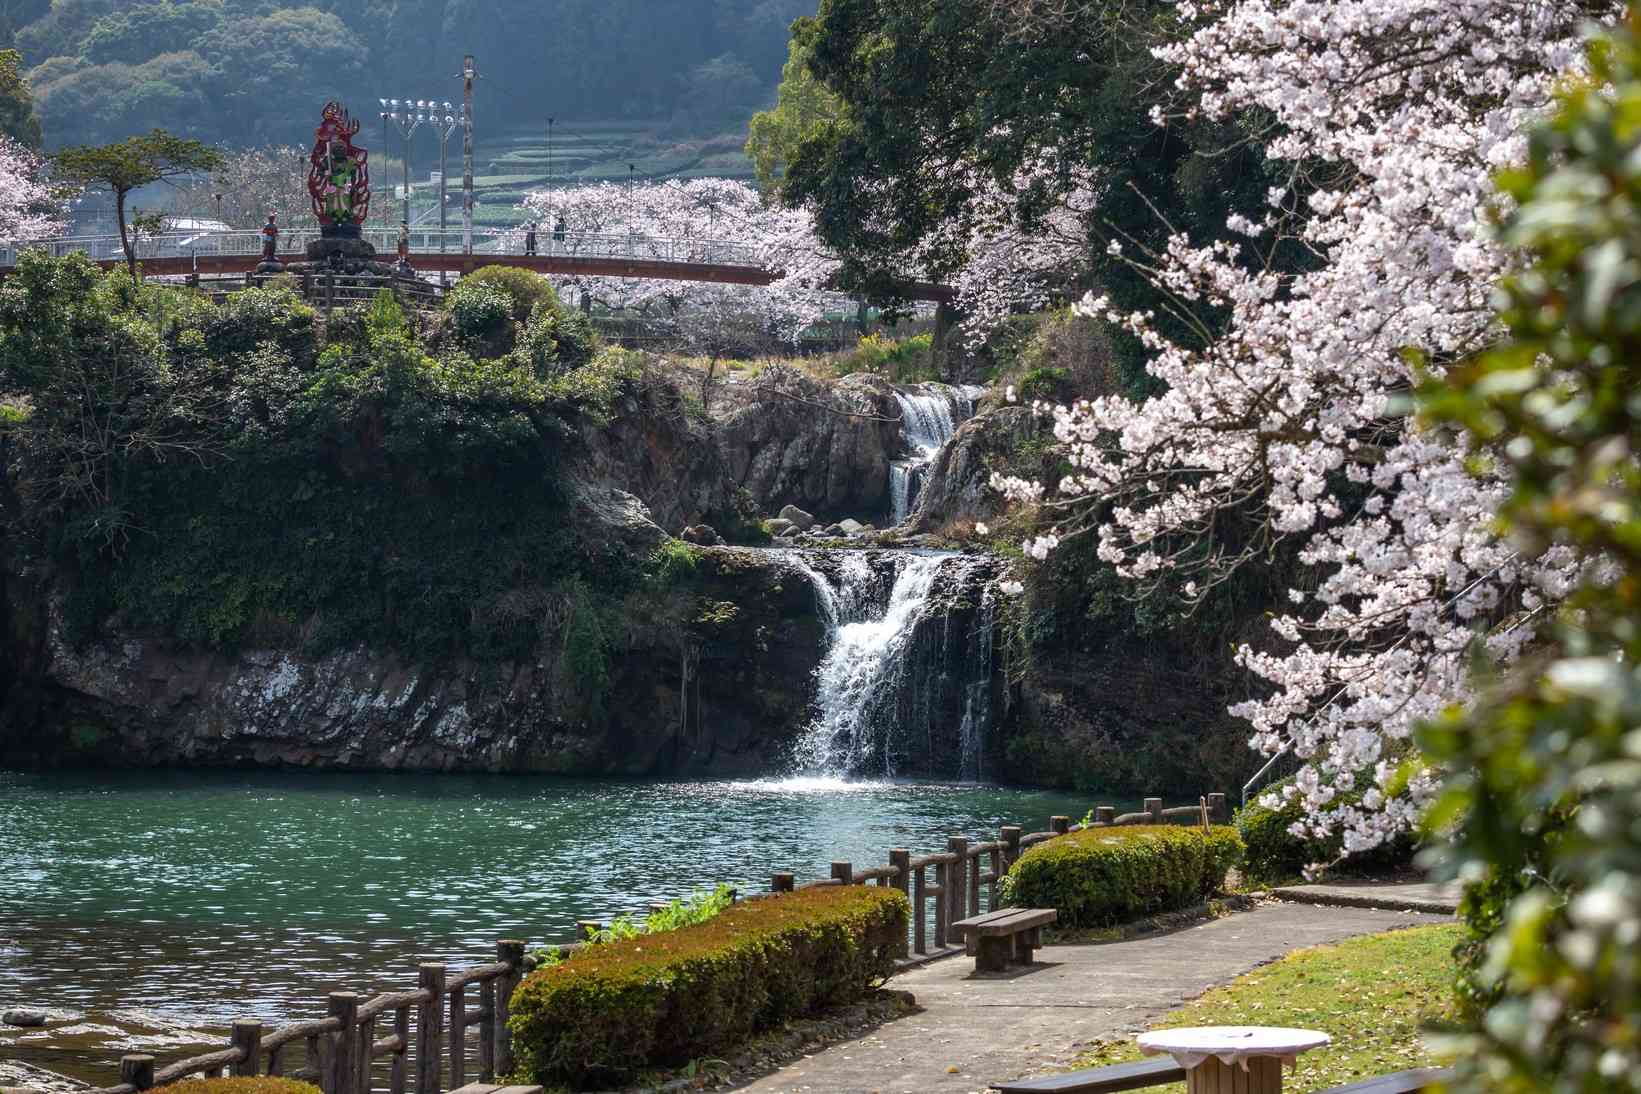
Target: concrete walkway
1420, 896
972, 1031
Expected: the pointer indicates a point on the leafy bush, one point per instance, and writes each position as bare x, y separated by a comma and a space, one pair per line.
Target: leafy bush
526, 290
1276, 854
478, 310
261, 1084
664, 998
904, 361
1099, 876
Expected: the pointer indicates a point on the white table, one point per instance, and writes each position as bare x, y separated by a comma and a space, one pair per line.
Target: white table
1232, 1059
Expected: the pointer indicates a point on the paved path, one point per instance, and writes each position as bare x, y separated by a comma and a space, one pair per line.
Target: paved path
1422, 896
996, 1029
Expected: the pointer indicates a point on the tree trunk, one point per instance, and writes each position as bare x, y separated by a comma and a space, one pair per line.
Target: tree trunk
706, 383
125, 238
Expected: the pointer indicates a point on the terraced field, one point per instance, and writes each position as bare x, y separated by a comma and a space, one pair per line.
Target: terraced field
510, 165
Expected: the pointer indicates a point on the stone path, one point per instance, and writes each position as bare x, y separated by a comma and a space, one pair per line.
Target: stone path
1423, 896
972, 1031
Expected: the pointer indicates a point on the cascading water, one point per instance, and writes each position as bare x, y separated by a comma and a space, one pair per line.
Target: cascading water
898, 673
929, 418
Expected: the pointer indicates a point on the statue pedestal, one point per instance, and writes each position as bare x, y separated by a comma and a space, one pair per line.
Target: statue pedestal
347, 250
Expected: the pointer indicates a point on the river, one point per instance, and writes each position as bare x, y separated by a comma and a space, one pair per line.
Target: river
162, 903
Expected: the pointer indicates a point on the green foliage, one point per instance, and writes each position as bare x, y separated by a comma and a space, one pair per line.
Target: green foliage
1100, 876
248, 485
614, 1009
802, 105
1276, 855
525, 289
386, 319
479, 311
674, 563
1544, 783
17, 119
901, 361
261, 1084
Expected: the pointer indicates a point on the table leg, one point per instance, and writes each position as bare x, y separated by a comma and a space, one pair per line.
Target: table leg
1023, 943
1264, 1076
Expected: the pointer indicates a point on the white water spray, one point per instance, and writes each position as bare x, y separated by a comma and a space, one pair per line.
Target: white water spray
929, 418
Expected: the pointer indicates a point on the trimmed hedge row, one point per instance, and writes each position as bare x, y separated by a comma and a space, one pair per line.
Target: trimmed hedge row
666, 998
260, 1084
1276, 854
1100, 876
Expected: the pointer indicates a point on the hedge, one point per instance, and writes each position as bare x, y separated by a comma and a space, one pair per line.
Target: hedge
1276, 854
261, 1084
666, 998
1099, 876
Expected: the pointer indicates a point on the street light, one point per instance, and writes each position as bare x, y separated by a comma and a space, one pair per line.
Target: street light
444, 122
406, 116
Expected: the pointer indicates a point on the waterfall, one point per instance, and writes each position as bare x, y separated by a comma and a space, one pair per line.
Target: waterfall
929, 418
897, 674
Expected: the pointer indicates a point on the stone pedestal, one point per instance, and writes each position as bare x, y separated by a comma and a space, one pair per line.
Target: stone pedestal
331, 249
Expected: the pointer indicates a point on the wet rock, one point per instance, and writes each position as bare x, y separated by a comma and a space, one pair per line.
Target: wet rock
834, 529
958, 483
798, 518
702, 535
23, 1017
780, 526
850, 526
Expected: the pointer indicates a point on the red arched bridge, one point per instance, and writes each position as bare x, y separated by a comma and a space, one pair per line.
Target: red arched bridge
176, 254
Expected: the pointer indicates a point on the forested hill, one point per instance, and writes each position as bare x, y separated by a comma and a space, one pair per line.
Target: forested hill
252, 72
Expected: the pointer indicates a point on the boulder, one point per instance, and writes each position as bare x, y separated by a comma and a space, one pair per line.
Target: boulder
834, 529
849, 526
702, 535
779, 526
800, 520
21, 1017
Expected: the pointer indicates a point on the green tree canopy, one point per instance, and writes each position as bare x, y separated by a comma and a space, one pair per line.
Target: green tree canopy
17, 119
134, 162
802, 105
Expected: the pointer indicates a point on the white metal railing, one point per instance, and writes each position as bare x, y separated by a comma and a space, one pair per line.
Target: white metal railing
422, 241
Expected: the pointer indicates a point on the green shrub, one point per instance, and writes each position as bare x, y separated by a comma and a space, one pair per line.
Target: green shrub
261, 1084
903, 361
613, 1009
479, 311
1276, 854
1099, 876
525, 289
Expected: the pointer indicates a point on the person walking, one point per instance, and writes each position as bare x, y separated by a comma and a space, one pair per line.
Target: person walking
530, 239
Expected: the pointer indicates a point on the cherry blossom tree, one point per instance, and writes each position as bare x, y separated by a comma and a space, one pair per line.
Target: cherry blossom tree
30, 207
1288, 418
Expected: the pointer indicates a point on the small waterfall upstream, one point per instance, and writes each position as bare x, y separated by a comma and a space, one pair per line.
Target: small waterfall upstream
929, 418
905, 685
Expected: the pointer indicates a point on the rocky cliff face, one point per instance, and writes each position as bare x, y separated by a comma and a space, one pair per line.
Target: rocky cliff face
956, 485
713, 678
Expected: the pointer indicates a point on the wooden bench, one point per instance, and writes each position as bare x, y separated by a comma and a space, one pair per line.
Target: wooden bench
492, 1088
1004, 937
1402, 1082
1100, 1080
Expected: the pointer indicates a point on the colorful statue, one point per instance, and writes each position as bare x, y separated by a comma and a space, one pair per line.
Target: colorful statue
339, 173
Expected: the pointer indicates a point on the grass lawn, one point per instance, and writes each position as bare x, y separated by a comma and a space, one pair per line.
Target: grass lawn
1371, 994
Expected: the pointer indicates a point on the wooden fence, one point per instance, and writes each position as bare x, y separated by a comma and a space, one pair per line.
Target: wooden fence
327, 290
339, 1052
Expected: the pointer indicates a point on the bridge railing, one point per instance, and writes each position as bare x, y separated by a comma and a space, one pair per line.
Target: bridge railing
385, 240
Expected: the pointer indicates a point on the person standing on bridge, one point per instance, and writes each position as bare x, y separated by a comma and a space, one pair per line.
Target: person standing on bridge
530, 239
560, 227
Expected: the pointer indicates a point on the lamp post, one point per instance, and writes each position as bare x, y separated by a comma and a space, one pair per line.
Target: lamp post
444, 122
469, 72
407, 116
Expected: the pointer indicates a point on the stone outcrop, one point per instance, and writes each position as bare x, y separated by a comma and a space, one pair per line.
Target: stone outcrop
956, 485
713, 678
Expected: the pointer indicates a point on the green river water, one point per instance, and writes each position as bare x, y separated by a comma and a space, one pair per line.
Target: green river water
160, 904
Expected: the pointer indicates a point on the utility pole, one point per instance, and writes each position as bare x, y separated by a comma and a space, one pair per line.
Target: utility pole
469, 71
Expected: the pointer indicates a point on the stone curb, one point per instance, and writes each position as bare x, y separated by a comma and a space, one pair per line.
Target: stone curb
1334, 899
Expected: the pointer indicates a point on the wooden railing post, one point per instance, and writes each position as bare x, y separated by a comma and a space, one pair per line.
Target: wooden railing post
901, 859
458, 1038
957, 900
972, 886
248, 1039
138, 1070
1011, 848
942, 906
843, 872
1105, 814
1216, 808
429, 1028
512, 952
397, 1074
344, 1007
919, 935
782, 883
487, 1031
1153, 806
585, 929
1059, 825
